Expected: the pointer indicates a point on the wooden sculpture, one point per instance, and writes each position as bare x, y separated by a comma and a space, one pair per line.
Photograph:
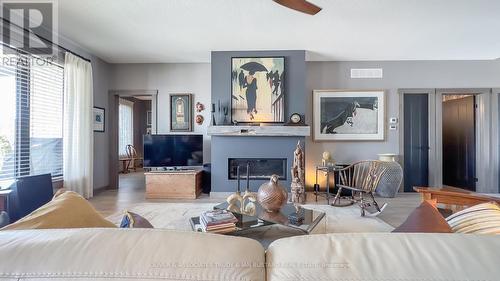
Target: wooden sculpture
298, 176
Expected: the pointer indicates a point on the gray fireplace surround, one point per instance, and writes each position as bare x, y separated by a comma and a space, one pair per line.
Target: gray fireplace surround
252, 147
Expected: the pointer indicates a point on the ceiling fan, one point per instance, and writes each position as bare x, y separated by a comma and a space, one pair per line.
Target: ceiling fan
300, 5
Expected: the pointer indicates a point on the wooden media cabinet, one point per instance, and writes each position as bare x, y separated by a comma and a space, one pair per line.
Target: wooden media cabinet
173, 184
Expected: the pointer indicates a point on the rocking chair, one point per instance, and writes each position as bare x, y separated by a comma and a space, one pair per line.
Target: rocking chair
362, 179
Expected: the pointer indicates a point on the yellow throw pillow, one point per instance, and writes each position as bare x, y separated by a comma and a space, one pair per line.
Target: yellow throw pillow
479, 219
67, 210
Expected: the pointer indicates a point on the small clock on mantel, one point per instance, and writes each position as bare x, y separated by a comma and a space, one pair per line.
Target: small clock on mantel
295, 120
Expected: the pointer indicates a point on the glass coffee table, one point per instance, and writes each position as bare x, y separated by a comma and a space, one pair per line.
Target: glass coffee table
301, 219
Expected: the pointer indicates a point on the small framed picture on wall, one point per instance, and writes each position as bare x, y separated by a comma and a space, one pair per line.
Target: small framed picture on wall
99, 121
181, 112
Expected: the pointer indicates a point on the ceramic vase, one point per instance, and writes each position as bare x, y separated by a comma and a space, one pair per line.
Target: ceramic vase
272, 195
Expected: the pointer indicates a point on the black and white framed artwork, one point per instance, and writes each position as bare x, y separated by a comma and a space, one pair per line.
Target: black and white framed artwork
349, 115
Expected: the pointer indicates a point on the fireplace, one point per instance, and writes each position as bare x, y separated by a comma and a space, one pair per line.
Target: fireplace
260, 168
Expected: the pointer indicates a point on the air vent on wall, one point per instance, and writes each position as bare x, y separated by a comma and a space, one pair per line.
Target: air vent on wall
367, 73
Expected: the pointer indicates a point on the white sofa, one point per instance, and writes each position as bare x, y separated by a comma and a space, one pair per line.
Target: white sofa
152, 254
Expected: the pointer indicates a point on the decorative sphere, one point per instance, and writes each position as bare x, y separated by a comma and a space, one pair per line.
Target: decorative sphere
272, 195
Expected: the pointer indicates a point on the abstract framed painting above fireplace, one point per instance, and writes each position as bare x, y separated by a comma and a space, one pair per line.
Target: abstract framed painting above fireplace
260, 168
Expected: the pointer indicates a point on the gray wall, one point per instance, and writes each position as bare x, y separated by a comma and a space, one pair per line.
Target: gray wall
295, 77
397, 74
169, 78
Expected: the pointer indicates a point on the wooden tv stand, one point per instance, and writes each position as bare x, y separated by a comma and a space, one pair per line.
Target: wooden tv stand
173, 184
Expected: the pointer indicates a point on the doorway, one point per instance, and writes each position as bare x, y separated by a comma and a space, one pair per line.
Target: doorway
459, 141
132, 115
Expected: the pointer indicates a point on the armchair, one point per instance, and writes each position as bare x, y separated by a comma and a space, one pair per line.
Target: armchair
362, 179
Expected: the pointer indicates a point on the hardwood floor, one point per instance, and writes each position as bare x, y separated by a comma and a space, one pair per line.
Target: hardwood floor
132, 190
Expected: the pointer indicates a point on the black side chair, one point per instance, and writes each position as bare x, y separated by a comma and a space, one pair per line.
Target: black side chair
30, 193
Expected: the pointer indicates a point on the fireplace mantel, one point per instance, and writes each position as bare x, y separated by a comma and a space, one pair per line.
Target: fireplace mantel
263, 130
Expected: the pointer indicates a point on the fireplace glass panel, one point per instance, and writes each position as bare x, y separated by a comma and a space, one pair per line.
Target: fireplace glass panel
260, 168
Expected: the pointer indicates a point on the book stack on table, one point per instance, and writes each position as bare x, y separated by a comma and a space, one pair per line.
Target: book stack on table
218, 221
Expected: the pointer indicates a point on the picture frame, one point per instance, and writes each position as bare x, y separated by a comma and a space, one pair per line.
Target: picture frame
263, 99
99, 119
181, 112
349, 115
149, 118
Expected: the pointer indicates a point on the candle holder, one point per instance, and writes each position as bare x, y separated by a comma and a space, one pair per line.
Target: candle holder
213, 115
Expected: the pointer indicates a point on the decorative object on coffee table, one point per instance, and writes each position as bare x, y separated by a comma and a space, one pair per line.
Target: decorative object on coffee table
242, 204
298, 174
272, 195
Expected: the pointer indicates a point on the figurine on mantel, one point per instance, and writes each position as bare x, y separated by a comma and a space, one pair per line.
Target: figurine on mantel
298, 175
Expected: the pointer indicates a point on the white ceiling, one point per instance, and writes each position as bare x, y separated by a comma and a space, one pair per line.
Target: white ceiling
122, 31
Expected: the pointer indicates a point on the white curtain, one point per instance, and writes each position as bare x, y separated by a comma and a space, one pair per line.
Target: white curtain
78, 140
126, 126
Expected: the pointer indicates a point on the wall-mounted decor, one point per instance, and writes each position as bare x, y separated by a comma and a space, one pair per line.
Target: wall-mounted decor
257, 90
199, 107
149, 118
349, 115
181, 113
99, 121
199, 119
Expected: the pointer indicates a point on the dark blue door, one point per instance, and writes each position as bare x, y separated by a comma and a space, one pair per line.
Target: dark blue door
416, 141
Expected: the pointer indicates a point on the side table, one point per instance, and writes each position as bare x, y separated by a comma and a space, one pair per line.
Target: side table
329, 171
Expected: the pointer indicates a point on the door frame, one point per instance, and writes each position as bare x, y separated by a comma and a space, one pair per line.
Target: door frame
495, 142
483, 124
431, 130
488, 163
113, 101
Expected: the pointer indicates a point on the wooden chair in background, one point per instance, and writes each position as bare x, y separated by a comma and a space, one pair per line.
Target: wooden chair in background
132, 156
361, 178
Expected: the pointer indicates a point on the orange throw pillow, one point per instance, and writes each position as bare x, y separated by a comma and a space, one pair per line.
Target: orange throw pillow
425, 218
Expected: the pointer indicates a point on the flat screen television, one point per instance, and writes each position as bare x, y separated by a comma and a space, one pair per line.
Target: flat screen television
164, 151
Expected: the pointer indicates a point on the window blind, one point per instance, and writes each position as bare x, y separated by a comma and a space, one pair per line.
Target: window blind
31, 115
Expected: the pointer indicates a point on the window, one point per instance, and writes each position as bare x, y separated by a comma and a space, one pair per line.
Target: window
31, 115
126, 126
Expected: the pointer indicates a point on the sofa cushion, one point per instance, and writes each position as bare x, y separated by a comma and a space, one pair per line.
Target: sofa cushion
479, 219
67, 210
384, 256
425, 218
133, 220
128, 254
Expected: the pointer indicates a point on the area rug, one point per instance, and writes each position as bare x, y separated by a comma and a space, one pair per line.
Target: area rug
175, 216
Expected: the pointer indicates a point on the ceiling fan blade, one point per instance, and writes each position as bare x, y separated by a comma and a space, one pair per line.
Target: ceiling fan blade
300, 5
